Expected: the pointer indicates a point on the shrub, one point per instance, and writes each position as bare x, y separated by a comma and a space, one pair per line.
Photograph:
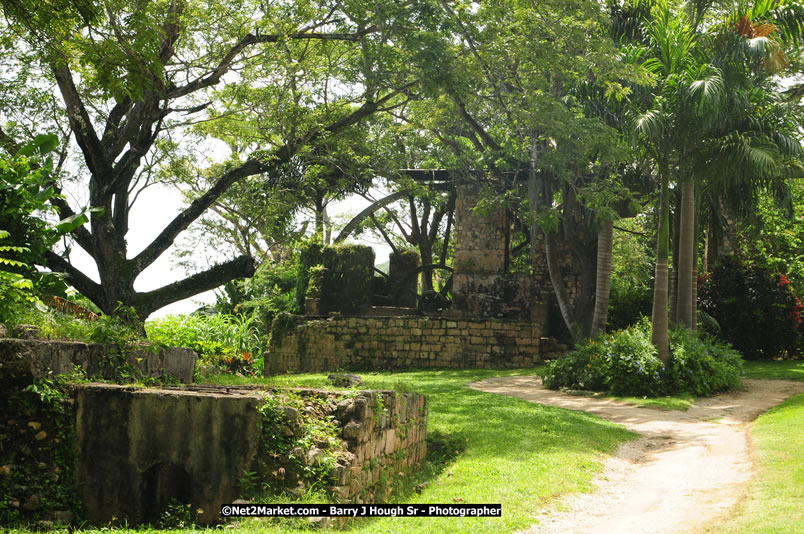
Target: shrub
759, 312
232, 342
625, 363
701, 366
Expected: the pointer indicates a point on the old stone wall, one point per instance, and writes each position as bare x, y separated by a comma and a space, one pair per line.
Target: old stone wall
140, 448
404, 343
382, 436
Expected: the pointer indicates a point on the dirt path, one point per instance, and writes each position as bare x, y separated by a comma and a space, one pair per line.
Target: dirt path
688, 469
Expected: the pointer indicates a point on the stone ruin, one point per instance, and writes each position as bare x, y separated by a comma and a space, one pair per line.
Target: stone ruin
497, 318
108, 452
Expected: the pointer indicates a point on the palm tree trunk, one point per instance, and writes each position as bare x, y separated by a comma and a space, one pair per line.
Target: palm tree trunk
674, 263
603, 281
695, 231
659, 322
684, 289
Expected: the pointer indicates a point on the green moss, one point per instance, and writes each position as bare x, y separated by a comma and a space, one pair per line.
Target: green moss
340, 276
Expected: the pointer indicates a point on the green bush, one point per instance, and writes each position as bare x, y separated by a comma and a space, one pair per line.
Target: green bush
625, 363
702, 366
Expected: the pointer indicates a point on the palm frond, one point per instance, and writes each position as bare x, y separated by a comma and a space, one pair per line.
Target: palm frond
651, 125
707, 94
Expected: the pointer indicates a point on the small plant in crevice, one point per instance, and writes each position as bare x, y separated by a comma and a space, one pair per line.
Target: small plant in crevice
300, 443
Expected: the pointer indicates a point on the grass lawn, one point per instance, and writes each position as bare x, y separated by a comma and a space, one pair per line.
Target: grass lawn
510, 451
775, 502
680, 402
514, 452
778, 370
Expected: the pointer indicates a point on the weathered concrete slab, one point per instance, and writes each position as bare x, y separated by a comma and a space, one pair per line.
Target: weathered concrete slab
138, 448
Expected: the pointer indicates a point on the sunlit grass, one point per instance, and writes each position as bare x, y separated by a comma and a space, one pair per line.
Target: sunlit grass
780, 370
681, 402
515, 453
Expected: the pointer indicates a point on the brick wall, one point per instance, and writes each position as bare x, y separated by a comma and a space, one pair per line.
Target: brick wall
404, 343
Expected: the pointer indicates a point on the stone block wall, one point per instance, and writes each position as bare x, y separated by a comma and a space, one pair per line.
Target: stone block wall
404, 343
503, 296
140, 448
384, 434
481, 240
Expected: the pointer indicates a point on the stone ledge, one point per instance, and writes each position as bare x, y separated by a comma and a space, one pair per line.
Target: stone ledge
26, 358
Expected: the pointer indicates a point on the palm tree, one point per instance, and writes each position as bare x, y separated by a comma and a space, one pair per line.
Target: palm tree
702, 120
671, 42
746, 135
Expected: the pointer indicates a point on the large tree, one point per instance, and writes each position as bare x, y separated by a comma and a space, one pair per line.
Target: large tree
545, 151
130, 77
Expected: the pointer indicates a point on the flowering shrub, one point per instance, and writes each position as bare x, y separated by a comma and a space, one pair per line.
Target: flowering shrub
625, 363
759, 312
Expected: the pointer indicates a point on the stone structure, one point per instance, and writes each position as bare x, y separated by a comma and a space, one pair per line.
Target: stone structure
140, 448
483, 285
497, 319
405, 342
30, 358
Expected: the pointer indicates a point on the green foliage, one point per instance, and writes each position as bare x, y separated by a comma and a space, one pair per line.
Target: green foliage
234, 343
632, 274
759, 312
315, 429
626, 363
176, 515
15, 289
774, 238
700, 365
623, 363
26, 185
25, 188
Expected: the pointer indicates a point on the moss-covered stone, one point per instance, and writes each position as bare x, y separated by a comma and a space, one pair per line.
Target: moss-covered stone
338, 276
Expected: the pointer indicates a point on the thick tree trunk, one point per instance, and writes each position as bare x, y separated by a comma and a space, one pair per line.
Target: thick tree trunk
684, 288
553, 269
605, 238
659, 319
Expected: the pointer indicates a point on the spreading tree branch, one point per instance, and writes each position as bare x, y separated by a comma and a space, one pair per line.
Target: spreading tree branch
249, 168
81, 125
251, 39
150, 301
79, 280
